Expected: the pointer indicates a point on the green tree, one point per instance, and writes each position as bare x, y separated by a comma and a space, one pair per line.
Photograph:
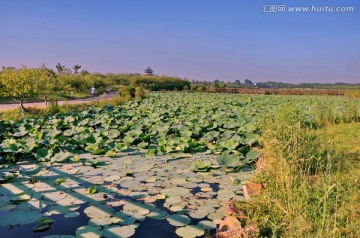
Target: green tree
19, 84
248, 82
148, 71
60, 68
76, 68
237, 82
46, 84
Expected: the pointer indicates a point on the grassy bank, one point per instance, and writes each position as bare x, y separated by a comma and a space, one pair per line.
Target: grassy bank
310, 179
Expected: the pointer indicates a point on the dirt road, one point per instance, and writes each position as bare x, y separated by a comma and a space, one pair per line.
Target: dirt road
42, 104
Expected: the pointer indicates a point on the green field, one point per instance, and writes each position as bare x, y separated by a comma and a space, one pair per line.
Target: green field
176, 158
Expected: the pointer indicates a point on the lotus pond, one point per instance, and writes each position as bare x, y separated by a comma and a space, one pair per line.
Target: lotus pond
163, 167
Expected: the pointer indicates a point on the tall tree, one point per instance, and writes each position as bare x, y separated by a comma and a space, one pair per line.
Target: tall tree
248, 82
148, 71
46, 84
76, 68
60, 68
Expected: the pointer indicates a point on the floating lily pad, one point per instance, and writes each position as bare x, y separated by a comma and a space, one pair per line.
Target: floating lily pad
20, 218
112, 178
130, 184
178, 220
190, 185
7, 207
173, 200
150, 180
57, 209
190, 231
175, 191
207, 225
252, 155
88, 232
119, 231
176, 208
198, 214
139, 208
100, 211
55, 196
157, 214
72, 214
104, 221
20, 197
178, 181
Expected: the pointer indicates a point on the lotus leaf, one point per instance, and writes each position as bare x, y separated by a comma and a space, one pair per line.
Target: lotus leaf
190, 231
20, 218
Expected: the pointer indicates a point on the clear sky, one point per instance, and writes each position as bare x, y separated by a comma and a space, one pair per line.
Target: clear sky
196, 39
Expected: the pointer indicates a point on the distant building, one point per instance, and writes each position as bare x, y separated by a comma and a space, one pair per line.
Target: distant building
148, 71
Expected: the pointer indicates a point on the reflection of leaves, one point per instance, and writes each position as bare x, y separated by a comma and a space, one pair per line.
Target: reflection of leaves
44, 224
41, 227
46, 220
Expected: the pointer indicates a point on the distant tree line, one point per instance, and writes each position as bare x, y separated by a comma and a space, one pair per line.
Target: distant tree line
271, 84
24, 83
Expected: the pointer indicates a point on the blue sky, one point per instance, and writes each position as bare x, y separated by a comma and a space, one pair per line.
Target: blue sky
196, 39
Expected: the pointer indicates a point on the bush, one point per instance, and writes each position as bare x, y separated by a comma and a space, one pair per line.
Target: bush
129, 93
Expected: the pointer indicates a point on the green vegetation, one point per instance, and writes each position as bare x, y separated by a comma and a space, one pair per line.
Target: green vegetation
26, 83
310, 178
121, 98
43, 84
194, 152
275, 85
167, 123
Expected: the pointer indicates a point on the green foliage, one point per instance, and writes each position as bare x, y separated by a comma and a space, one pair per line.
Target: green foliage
200, 166
92, 189
157, 83
129, 93
24, 83
309, 182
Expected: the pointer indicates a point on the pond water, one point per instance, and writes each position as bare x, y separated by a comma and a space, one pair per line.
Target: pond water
146, 195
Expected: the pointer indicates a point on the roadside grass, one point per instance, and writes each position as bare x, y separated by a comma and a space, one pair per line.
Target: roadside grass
17, 114
310, 179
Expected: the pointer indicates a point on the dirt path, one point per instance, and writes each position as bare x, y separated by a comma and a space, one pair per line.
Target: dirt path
4, 107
